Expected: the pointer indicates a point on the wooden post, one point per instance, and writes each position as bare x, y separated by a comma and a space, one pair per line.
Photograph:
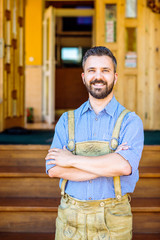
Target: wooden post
1, 62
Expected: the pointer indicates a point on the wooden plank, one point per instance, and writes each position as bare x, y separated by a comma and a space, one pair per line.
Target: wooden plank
99, 23
141, 60
120, 87
1, 63
50, 236
24, 147
146, 222
149, 172
147, 187
37, 185
27, 222
39, 171
157, 73
46, 147
29, 235
145, 204
29, 187
130, 100
24, 204
150, 156
27, 162
51, 204
69, 12
45, 222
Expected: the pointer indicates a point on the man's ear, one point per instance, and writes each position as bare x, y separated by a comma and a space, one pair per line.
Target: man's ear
115, 78
83, 79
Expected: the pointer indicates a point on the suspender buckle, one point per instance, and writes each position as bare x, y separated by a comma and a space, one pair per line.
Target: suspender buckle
71, 145
113, 144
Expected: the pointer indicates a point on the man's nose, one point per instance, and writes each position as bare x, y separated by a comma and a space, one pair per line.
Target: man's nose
98, 75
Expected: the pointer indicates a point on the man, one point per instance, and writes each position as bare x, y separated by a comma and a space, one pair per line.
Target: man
97, 148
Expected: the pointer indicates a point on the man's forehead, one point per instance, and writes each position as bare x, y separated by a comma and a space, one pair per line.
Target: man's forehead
99, 61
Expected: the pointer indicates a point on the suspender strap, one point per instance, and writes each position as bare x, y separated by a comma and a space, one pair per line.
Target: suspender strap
71, 143
113, 146
63, 185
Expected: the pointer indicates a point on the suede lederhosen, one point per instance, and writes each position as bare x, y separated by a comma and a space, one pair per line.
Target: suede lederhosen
92, 220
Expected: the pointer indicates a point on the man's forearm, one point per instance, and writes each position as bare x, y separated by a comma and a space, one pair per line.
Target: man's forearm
72, 174
108, 165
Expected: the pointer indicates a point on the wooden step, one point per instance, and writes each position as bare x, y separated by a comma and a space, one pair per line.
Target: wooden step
29, 187
150, 156
39, 214
23, 155
51, 204
51, 236
33, 155
34, 182
34, 171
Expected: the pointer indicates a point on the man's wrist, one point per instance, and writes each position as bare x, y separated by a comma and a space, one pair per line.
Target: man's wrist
72, 161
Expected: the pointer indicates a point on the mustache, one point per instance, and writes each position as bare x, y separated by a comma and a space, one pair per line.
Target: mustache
98, 81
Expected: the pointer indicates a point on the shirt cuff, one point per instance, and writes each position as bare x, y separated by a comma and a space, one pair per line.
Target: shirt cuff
132, 158
49, 166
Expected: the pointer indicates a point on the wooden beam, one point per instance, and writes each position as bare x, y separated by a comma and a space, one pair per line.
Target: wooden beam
69, 12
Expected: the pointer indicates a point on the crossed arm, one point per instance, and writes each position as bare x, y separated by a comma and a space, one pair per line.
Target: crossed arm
82, 168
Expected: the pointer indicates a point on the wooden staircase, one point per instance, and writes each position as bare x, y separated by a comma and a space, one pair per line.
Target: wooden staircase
29, 198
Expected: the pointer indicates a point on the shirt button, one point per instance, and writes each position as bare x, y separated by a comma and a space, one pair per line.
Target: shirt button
90, 181
90, 198
96, 119
94, 134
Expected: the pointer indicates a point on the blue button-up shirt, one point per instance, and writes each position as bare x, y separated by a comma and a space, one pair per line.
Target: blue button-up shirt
89, 126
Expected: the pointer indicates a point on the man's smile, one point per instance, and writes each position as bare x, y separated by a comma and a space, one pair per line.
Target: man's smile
98, 84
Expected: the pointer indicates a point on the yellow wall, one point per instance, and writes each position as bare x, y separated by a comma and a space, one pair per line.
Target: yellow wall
33, 57
33, 32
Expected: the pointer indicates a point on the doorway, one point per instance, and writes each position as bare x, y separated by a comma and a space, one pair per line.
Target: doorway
68, 33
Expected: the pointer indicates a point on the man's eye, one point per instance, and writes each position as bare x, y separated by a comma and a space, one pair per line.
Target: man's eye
91, 70
105, 70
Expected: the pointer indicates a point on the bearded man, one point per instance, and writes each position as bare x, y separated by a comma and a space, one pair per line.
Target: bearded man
96, 152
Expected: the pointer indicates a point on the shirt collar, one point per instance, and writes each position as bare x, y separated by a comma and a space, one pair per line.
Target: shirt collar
87, 107
110, 108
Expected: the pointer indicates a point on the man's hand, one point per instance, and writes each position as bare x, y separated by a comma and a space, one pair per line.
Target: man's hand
123, 146
60, 157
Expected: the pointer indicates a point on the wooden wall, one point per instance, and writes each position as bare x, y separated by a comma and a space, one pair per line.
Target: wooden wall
1, 67
137, 88
12, 64
151, 57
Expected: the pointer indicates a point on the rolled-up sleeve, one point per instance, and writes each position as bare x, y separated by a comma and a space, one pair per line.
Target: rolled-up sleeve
60, 137
133, 134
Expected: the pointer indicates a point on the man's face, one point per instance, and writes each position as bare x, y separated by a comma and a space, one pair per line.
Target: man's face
99, 77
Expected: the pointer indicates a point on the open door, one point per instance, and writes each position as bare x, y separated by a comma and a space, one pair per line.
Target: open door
49, 44
12, 71
48, 108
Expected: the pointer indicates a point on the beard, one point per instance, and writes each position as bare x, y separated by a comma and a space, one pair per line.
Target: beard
99, 93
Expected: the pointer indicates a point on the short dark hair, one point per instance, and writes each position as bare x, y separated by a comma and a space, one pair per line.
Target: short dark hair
99, 51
